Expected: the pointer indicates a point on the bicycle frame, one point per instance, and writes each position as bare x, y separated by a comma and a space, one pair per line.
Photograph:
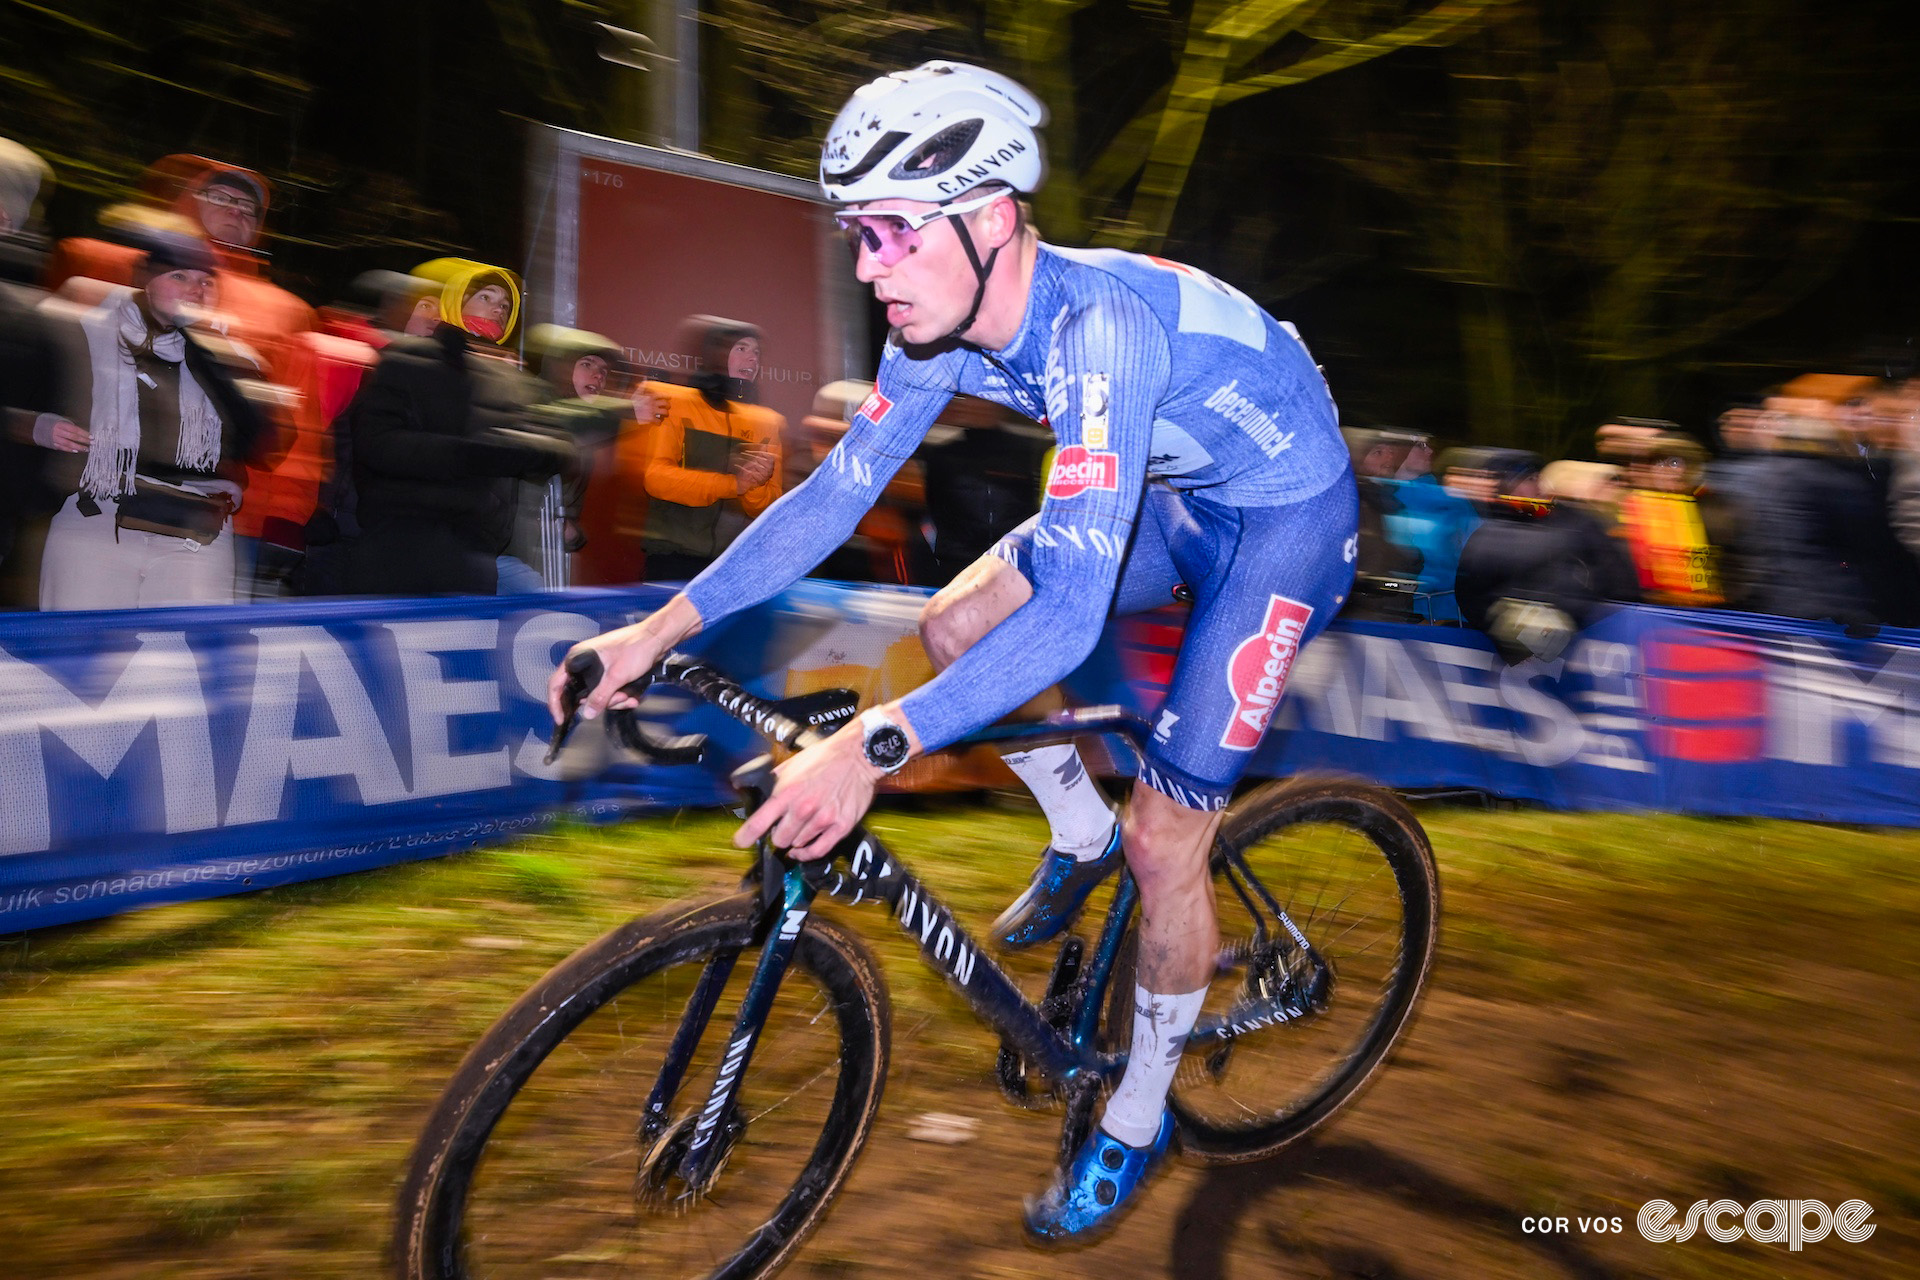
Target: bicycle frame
862, 870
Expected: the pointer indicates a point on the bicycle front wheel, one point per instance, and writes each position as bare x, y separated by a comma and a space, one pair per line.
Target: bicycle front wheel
540, 1161
1348, 866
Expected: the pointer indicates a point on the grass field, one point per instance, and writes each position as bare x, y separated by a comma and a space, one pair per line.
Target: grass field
1624, 1008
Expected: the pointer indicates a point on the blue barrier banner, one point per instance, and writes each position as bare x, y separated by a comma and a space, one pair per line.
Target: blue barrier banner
164, 755
1685, 711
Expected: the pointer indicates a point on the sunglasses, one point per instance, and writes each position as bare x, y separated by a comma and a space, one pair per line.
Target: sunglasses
891, 236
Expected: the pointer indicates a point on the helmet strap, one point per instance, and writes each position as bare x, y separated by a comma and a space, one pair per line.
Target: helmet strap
981, 271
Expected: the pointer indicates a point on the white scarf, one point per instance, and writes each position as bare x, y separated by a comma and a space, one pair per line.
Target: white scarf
114, 329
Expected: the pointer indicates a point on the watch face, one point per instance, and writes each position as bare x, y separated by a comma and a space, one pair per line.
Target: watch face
887, 747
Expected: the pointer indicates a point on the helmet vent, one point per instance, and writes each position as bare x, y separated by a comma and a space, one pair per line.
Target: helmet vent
940, 152
875, 154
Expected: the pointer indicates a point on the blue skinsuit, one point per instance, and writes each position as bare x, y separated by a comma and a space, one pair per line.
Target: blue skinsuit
1198, 444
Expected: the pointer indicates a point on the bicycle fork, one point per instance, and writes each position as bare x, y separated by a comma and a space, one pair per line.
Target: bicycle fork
712, 1133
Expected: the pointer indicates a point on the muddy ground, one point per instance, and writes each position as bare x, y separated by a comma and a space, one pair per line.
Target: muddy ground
1624, 1008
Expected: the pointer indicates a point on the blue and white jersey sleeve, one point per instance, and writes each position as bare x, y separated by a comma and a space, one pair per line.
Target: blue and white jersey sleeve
1107, 367
809, 521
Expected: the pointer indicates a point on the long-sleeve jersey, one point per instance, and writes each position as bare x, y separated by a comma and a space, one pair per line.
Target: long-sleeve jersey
1147, 371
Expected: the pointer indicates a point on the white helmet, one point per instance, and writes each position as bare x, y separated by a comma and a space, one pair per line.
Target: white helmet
931, 134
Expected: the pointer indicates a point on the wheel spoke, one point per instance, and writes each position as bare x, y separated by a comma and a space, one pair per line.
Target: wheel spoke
562, 1190
1348, 880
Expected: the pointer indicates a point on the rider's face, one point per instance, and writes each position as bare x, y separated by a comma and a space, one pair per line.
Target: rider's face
926, 291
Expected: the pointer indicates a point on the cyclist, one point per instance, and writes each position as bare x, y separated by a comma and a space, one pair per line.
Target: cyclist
1198, 445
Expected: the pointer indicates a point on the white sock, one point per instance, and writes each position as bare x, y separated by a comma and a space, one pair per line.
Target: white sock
1076, 808
1160, 1027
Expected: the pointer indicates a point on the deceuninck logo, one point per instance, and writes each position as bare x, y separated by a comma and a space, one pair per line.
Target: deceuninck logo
1794, 1222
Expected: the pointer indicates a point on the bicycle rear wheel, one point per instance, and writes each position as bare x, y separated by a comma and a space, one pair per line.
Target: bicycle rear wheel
538, 1162
1350, 867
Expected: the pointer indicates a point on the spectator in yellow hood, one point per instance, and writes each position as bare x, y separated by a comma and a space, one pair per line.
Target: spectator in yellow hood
442, 443
483, 300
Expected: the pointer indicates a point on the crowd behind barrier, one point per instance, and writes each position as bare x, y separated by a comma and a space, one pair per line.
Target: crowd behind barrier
150, 757
180, 430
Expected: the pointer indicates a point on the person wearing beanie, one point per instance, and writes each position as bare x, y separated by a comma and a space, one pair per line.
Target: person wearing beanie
714, 458
442, 436
155, 438
574, 366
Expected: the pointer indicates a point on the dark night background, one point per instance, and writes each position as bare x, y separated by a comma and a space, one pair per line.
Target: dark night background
1569, 211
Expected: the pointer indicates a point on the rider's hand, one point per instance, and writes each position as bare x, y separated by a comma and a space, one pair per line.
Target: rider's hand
817, 798
627, 654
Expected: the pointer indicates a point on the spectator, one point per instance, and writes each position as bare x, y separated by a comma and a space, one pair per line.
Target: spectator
1386, 572
1537, 570
1743, 453
1821, 526
29, 370
1435, 524
714, 460
1731, 494
229, 206
155, 474
385, 305
574, 365
439, 442
1597, 488
1664, 524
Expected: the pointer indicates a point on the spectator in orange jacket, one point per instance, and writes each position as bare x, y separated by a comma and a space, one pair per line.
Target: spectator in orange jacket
229, 204
714, 461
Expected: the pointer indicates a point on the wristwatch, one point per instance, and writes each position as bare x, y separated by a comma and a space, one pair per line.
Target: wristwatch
884, 741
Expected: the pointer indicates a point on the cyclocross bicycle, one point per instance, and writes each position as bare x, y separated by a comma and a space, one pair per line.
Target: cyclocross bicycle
686, 1096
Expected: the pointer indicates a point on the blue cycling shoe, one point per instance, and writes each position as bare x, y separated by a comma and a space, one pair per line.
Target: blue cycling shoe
1060, 887
1097, 1187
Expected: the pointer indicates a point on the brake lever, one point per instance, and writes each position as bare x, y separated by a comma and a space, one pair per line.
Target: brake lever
584, 671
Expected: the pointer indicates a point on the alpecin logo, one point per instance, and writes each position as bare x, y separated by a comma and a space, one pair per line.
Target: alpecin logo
875, 407
1257, 671
1076, 470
